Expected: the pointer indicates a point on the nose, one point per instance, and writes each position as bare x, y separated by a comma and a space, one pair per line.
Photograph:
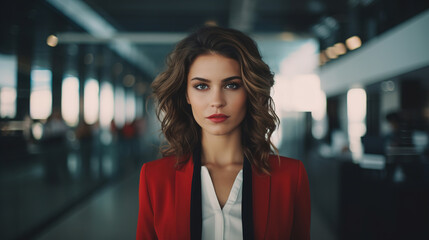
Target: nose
217, 99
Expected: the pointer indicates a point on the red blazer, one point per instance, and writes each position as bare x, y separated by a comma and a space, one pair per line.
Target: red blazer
281, 201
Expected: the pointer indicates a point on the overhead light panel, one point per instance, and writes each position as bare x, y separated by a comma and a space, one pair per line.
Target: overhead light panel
353, 43
340, 49
87, 18
79, 12
52, 41
330, 52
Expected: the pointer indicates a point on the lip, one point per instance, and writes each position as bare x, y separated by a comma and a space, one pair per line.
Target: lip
217, 118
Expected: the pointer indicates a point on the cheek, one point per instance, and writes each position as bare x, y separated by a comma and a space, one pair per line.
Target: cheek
197, 105
192, 98
240, 102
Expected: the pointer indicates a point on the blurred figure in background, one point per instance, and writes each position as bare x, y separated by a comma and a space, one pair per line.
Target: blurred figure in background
84, 134
393, 138
54, 147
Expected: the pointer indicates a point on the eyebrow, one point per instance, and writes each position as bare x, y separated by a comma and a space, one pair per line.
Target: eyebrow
224, 80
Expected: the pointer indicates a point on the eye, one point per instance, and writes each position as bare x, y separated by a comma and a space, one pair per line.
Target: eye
201, 86
232, 85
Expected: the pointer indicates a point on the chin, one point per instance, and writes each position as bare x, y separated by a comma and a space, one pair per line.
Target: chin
217, 132
220, 131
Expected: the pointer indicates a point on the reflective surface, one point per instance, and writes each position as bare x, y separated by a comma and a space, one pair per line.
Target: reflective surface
59, 175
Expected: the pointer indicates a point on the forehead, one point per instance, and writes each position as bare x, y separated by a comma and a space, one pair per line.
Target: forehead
214, 66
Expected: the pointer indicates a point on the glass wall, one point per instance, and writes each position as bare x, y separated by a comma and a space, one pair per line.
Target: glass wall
71, 119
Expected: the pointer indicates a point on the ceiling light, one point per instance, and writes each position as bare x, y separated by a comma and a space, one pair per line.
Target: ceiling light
84, 16
322, 58
287, 36
52, 41
340, 48
330, 52
210, 23
353, 43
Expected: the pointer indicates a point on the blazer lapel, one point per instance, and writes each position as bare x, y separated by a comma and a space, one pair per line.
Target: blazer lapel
261, 184
183, 199
261, 198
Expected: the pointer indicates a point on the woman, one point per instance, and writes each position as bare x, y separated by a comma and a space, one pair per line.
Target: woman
218, 179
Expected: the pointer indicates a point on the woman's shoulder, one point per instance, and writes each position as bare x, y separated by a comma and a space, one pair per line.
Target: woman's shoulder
169, 161
286, 172
159, 170
281, 164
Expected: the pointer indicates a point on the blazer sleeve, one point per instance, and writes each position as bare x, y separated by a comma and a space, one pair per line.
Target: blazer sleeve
302, 208
145, 224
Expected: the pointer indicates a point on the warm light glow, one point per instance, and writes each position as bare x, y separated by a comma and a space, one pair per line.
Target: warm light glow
210, 23
7, 102
353, 43
296, 84
323, 58
37, 130
356, 113
304, 89
131, 107
41, 104
330, 52
319, 126
357, 129
70, 100
119, 107
301, 93
52, 41
319, 110
356, 105
106, 104
90, 101
287, 36
41, 94
340, 49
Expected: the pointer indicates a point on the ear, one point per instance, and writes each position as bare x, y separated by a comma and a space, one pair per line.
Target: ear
187, 99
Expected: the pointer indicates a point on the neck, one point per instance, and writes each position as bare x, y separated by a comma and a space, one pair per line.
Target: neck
222, 150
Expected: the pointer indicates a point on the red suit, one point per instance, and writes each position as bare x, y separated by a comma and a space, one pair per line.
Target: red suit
281, 201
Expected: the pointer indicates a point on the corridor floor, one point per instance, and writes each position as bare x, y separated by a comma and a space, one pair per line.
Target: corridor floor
112, 214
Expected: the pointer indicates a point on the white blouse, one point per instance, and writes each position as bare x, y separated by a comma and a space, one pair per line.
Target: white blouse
218, 223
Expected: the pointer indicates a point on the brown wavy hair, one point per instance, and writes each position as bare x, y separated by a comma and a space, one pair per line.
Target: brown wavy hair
178, 125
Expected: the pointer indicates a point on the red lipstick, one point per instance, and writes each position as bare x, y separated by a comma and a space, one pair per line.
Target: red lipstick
217, 118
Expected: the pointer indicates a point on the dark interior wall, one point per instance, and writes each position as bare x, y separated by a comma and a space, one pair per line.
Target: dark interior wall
373, 110
414, 101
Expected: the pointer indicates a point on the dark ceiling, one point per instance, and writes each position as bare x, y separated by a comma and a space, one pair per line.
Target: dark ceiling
254, 15
328, 21
281, 23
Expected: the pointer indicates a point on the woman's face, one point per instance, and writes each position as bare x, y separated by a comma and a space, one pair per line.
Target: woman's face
216, 94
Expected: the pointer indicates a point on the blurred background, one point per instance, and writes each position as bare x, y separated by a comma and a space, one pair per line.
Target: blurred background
352, 80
